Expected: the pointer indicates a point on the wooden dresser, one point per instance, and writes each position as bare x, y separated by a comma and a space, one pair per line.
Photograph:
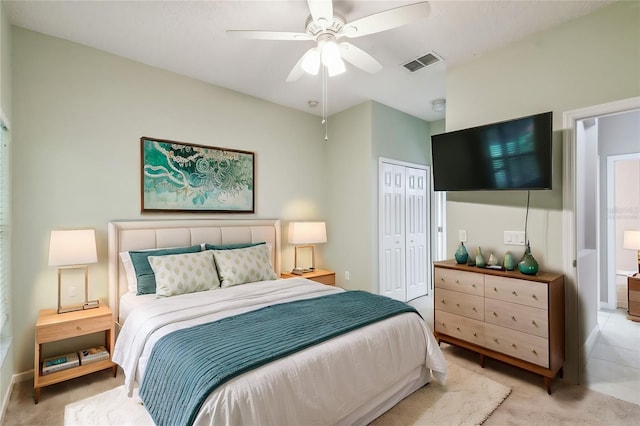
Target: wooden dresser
505, 315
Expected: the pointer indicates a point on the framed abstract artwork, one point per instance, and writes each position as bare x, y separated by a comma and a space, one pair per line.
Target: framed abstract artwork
183, 177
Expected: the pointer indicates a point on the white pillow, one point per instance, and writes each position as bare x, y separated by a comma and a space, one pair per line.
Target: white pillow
184, 273
245, 265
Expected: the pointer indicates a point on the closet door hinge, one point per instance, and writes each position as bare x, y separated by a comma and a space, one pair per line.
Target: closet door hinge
439, 228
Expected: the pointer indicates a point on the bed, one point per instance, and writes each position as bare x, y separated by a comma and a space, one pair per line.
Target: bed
350, 378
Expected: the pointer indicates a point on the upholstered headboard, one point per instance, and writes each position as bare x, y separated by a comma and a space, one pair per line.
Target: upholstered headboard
143, 234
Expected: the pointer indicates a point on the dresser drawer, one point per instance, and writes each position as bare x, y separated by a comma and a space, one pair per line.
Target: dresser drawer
459, 303
527, 347
523, 318
460, 327
465, 282
523, 292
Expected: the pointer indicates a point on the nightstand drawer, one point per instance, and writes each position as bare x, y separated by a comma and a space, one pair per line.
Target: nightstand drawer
54, 332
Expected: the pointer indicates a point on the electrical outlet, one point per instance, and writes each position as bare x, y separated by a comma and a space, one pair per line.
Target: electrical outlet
346, 275
514, 238
462, 235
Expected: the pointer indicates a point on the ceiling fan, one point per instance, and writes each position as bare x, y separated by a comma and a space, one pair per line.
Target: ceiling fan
326, 29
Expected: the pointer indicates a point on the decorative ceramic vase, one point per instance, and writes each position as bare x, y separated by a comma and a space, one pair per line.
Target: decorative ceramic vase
471, 261
492, 260
462, 255
479, 258
509, 262
528, 265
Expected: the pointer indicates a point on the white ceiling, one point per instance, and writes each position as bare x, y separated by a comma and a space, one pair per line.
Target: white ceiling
188, 37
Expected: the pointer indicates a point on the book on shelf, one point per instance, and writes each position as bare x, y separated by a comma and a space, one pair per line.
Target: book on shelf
58, 363
91, 355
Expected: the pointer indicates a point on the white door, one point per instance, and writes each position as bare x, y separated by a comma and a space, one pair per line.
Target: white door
392, 217
416, 233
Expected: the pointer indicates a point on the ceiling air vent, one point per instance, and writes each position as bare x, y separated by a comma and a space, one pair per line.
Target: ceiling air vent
423, 61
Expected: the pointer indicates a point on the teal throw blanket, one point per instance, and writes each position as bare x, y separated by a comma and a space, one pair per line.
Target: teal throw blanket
187, 365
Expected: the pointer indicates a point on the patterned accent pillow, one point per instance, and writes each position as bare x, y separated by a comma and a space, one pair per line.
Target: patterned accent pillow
184, 273
145, 278
245, 265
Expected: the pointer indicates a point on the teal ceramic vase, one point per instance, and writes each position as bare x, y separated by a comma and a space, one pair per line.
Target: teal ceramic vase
479, 258
528, 265
462, 255
509, 261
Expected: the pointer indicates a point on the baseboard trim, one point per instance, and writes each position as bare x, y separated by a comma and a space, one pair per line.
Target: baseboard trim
588, 346
16, 378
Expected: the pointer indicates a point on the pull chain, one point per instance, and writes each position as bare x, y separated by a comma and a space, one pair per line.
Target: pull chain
324, 103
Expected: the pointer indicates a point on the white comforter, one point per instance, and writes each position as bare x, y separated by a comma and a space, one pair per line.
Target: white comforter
349, 379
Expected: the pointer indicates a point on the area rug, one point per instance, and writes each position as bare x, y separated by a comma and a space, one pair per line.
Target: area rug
466, 399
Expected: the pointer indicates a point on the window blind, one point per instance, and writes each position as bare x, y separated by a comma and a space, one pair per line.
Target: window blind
5, 211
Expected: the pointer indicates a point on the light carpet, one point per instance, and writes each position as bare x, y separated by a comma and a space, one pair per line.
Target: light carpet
466, 399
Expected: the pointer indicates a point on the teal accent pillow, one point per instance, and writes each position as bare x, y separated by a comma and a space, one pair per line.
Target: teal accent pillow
231, 246
144, 273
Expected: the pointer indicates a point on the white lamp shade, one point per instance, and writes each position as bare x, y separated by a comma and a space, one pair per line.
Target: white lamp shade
72, 247
307, 232
631, 240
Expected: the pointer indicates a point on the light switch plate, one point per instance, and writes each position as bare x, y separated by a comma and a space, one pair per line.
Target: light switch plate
462, 235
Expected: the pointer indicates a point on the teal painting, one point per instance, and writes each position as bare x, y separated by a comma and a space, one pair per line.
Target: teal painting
184, 177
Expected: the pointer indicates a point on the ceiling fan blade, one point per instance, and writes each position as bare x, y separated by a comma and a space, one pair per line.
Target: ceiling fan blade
386, 20
309, 62
321, 11
359, 58
268, 35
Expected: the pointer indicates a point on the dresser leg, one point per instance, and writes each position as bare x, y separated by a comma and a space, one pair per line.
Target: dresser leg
115, 370
481, 360
36, 395
547, 383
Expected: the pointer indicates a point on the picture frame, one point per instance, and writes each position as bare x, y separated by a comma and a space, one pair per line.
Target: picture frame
185, 177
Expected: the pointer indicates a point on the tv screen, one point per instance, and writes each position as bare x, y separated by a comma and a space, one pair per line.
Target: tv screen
514, 154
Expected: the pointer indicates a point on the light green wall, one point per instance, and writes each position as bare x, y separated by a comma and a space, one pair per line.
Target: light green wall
591, 60
78, 116
358, 137
7, 363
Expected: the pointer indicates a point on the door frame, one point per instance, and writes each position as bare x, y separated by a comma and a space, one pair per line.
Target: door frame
574, 348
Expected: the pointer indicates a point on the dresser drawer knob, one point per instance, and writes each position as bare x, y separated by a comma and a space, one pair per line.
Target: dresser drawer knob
534, 352
441, 279
442, 301
494, 314
473, 285
495, 339
458, 305
534, 296
495, 289
457, 281
475, 334
474, 309
534, 323
458, 328
513, 318
514, 293
443, 324
513, 345
78, 328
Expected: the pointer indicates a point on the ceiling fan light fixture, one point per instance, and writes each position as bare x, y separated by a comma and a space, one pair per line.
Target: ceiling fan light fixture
311, 61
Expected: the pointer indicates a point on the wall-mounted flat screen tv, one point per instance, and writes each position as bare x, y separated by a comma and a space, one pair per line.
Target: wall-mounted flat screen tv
513, 154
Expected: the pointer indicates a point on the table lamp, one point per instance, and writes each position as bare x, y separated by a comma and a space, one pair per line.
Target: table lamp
73, 249
631, 241
305, 235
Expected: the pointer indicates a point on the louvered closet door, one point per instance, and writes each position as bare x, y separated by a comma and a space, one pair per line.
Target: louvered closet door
416, 232
392, 217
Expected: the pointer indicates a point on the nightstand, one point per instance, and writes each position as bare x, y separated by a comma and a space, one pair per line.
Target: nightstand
53, 327
322, 276
633, 294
